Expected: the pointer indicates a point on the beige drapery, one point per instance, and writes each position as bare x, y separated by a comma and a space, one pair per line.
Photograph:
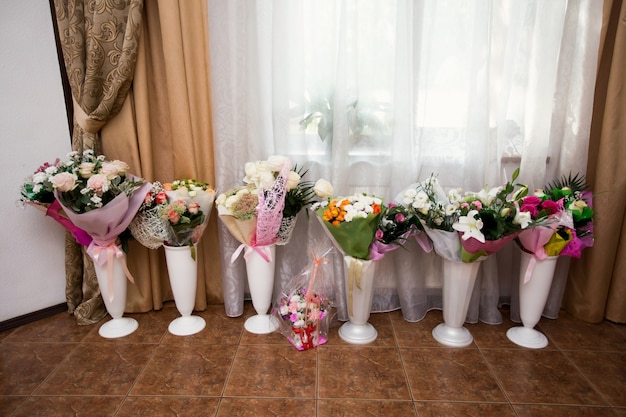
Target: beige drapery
99, 41
597, 282
164, 133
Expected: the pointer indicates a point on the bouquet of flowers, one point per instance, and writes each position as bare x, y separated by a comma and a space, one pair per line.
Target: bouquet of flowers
100, 197
174, 214
564, 219
38, 191
351, 222
263, 211
187, 212
304, 307
490, 219
465, 229
437, 211
397, 224
148, 227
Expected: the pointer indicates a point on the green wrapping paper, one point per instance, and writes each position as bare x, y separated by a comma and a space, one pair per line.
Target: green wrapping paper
353, 238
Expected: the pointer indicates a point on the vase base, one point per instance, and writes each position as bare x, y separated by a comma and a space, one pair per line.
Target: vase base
119, 327
358, 334
527, 337
452, 336
261, 324
186, 325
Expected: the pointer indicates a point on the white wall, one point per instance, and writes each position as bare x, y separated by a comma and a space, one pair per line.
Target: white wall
33, 130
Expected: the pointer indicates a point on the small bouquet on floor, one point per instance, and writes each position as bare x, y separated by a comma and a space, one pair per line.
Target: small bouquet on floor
38, 191
304, 307
563, 216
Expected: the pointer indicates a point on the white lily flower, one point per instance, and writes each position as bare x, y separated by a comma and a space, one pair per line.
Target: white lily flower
470, 226
522, 218
486, 197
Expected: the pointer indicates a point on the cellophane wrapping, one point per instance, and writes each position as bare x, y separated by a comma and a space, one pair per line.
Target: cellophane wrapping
305, 308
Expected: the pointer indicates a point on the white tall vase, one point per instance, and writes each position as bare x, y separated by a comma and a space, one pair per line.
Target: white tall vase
112, 282
458, 285
532, 298
260, 273
183, 273
359, 284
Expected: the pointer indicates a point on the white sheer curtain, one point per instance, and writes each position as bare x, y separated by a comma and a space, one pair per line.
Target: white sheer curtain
375, 95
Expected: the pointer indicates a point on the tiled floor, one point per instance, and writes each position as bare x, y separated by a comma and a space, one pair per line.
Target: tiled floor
55, 368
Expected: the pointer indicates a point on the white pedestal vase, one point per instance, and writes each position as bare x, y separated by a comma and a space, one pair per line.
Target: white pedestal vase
183, 273
458, 285
533, 295
112, 281
261, 283
359, 284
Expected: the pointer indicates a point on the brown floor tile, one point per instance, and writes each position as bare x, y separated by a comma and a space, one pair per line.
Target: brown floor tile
359, 408
445, 409
57, 328
540, 376
98, 369
569, 333
186, 369
168, 406
450, 375
419, 334
24, 366
272, 371
361, 372
606, 371
9, 404
621, 412
69, 406
562, 411
258, 407
274, 338
53, 367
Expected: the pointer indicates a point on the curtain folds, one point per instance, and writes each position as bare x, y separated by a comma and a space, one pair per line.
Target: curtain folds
374, 96
597, 282
164, 132
99, 42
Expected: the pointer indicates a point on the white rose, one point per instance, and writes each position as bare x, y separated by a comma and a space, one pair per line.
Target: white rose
220, 199
293, 180
114, 168
323, 188
85, 169
64, 181
266, 180
276, 162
